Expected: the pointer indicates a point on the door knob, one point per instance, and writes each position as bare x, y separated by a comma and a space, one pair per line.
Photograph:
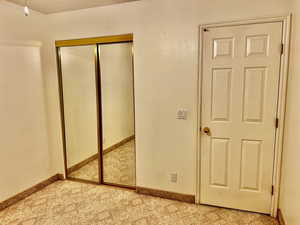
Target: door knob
206, 130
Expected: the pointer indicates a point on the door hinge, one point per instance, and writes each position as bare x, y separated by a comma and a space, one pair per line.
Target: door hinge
282, 49
276, 123
272, 190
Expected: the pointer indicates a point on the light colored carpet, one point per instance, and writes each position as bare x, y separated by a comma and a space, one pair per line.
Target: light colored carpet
72, 203
118, 166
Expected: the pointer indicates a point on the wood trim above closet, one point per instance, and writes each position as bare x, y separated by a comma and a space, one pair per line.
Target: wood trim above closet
95, 40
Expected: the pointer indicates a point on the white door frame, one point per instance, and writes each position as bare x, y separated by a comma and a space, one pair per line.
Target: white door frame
286, 21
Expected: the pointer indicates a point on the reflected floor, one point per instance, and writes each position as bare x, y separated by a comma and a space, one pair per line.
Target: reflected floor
88, 172
118, 167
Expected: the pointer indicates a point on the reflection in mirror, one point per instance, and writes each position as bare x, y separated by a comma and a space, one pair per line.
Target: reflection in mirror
80, 111
117, 94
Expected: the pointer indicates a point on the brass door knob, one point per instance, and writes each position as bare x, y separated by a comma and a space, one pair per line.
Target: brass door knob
206, 130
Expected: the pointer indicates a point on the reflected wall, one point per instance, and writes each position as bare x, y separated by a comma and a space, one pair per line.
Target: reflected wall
80, 111
117, 98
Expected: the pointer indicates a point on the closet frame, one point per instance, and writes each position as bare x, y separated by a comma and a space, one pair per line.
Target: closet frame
96, 41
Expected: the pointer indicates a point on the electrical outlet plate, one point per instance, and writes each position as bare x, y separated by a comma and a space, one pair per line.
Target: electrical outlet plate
173, 177
182, 114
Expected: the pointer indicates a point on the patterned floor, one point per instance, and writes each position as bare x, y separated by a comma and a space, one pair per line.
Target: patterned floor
118, 167
72, 203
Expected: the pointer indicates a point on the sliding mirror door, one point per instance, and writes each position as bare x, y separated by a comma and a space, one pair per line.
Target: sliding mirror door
78, 80
117, 98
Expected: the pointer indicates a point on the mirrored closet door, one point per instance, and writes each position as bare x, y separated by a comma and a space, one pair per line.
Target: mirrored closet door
96, 83
117, 98
79, 96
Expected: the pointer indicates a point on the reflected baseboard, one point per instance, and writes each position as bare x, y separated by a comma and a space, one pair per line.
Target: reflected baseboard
82, 163
94, 157
117, 145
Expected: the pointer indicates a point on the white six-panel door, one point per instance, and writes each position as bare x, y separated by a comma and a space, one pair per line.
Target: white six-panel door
241, 68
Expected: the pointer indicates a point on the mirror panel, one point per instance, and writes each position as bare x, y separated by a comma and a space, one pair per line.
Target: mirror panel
117, 95
80, 111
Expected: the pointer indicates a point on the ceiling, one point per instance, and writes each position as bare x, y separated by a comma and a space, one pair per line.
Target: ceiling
54, 6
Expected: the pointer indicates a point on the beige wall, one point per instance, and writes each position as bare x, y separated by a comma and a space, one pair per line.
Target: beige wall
166, 75
25, 159
290, 187
24, 149
117, 93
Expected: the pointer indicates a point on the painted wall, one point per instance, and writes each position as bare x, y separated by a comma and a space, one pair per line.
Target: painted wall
166, 75
24, 152
25, 159
290, 187
117, 93
80, 102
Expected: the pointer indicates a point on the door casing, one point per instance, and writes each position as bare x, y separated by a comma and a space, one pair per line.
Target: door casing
286, 21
